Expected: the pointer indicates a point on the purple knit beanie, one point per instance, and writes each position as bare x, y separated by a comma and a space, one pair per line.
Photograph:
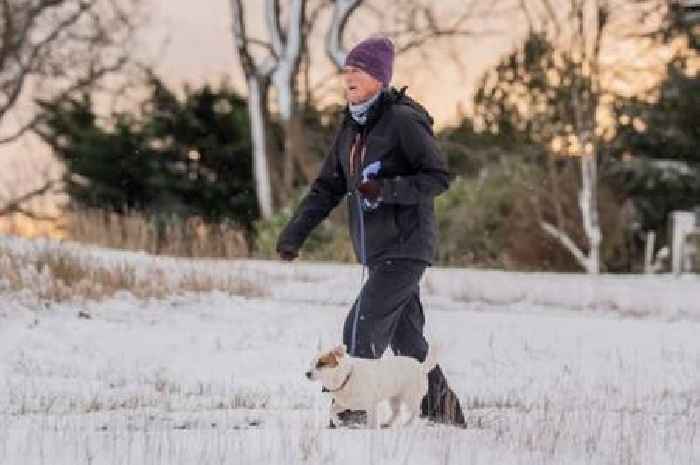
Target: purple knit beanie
375, 56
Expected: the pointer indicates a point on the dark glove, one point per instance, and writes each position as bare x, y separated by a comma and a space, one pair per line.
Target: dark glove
370, 189
287, 254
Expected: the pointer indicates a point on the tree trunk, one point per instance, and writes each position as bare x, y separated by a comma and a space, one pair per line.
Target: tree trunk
287, 47
588, 203
261, 169
342, 10
566, 242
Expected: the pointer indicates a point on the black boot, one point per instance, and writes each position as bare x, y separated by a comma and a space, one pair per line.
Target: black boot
353, 418
441, 404
350, 418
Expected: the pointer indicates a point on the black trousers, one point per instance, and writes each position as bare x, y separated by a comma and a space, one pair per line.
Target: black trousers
388, 312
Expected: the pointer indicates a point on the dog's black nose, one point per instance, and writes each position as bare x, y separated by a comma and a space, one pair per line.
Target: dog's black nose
308, 374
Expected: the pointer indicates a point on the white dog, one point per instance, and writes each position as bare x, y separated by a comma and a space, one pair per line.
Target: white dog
361, 384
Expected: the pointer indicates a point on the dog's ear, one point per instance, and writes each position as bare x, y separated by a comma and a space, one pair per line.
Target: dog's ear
340, 351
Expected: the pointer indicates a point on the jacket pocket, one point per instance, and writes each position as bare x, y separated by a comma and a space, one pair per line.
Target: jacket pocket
382, 230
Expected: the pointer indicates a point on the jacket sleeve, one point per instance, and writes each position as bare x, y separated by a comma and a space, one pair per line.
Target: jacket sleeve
417, 142
324, 194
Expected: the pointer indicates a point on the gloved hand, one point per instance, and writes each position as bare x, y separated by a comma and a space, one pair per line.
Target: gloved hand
369, 187
287, 254
372, 170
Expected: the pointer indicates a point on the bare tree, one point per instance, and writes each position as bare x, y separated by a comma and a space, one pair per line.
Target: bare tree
257, 77
588, 19
57, 48
287, 46
342, 10
275, 63
19, 203
552, 91
549, 92
278, 69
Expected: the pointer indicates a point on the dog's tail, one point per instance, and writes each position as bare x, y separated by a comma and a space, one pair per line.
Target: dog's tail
430, 358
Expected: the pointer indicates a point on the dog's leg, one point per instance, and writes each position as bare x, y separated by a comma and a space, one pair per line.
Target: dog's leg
395, 404
413, 406
335, 410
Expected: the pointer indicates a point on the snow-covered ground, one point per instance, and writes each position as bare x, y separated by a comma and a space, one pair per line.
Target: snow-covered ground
552, 369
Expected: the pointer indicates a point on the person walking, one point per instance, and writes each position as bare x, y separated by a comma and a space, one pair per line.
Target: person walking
385, 161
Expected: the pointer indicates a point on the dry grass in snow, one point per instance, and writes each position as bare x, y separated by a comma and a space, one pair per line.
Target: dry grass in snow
551, 370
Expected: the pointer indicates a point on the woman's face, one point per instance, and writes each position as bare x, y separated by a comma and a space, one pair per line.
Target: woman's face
359, 85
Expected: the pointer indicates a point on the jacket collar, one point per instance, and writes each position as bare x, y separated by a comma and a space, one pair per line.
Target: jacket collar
388, 96
360, 111
373, 114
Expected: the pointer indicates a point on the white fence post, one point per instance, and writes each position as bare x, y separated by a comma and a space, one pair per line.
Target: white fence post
683, 224
649, 252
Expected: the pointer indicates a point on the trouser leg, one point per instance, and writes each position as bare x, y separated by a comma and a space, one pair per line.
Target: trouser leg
378, 312
408, 337
375, 316
440, 403
390, 312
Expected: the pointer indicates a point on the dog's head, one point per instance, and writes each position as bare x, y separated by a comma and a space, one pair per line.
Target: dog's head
326, 366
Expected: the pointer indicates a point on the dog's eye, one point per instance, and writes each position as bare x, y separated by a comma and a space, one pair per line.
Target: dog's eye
320, 364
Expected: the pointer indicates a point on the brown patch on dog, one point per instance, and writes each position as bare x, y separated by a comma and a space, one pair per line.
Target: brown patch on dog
329, 360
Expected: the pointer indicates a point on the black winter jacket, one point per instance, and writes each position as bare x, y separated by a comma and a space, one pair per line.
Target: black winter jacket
399, 133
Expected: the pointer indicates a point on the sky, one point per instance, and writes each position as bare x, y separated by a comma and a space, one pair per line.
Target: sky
195, 42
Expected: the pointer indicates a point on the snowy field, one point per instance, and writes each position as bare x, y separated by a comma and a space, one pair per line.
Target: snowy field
552, 369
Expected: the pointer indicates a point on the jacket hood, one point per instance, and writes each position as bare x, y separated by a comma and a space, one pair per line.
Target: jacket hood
399, 97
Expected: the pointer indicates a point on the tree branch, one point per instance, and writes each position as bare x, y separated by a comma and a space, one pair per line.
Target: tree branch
261, 43
241, 42
272, 19
528, 16
87, 81
25, 69
566, 241
552, 16
295, 31
21, 131
59, 47
342, 10
240, 39
15, 205
420, 40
